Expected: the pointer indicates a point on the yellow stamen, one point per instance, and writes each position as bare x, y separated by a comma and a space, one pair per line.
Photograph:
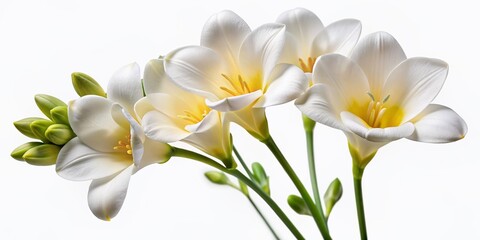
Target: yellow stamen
308, 66
124, 145
236, 89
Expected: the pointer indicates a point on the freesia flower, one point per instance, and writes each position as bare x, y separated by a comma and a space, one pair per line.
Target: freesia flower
237, 70
307, 38
110, 145
379, 96
171, 114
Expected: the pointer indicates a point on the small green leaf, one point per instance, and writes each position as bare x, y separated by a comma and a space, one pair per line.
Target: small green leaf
60, 115
86, 85
46, 103
18, 152
42, 155
332, 195
298, 205
23, 126
59, 134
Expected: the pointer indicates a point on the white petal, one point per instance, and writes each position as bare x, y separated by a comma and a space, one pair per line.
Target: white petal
212, 136
163, 128
261, 51
91, 119
346, 80
125, 86
253, 120
286, 83
361, 128
304, 25
339, 37
234, 103
224, 32
291, 52
317, 105
362, 146
155, 78
197, 69
378, 54
414, 83
438, 124
142, 107
155, 152
137, 137
78, 162
106, 195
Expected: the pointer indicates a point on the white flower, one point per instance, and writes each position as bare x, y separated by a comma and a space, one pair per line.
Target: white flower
171, 114
307, 38
380, 96
237, 69
110, 145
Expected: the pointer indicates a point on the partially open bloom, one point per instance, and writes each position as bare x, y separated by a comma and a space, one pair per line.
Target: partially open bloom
171, 114
110, 145
379, 96
237, 70
307, 38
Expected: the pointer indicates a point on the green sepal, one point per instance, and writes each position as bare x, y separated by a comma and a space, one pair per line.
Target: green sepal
60, 115
39, 127
260, 177
298, 205
23, 126
86, 85
59, 134
42, 155
332, 195
46, 103
217, 177
18, 152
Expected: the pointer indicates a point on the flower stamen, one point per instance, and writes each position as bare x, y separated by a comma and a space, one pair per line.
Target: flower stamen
189, 116
375, 111
236, 89
124, 145
308, 66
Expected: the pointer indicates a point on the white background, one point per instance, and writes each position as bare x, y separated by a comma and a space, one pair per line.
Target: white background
411, 190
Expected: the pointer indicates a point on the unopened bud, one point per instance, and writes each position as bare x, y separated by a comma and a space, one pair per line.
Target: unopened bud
42, 155
23, 126
260, 176
332, 195
217, 177
18, 152
39, 127
46, 103
298, 205
86, 85
59, 134
60, 114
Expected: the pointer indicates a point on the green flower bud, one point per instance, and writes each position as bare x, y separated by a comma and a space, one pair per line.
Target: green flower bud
60, 114
18, 152
46, 103
23, 126
39, 127
332, 195
86, 85
59, 134
217, 177
42, 155
298, 205
261, 177
243, 187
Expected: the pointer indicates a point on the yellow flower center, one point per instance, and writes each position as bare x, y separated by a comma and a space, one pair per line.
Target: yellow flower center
308, 65
193, 118
380, 116
124, 145
236, 88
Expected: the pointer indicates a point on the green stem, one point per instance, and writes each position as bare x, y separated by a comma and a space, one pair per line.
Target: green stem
317, 215
263, 217
357, 182
244, 165
311, 162
179, 152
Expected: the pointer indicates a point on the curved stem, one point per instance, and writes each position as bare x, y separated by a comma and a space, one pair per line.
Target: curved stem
244, 165
357, 182
263, 217
179, 152
317, 215
311, 166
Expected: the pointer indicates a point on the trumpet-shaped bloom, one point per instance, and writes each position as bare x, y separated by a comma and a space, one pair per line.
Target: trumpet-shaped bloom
110, 145
307, 38
171, 114
379, 96
237, 69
